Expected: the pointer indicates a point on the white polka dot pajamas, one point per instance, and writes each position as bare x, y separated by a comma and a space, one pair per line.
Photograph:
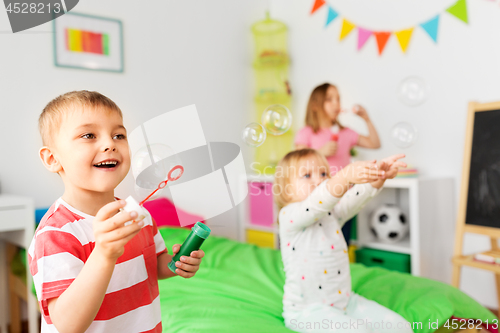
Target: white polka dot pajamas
314, 254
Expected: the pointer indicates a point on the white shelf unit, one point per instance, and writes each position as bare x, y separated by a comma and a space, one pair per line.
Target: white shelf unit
244, 214
428, 206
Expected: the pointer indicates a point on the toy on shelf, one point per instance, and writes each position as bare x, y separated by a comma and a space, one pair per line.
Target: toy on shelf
389, 224
491, 257
409, 172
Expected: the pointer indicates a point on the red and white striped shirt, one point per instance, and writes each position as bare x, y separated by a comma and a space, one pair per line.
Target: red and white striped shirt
62, 244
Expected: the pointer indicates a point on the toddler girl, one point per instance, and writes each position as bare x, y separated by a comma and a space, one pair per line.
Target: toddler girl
313, 207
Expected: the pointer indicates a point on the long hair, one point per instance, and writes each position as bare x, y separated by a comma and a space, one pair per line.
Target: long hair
315, 106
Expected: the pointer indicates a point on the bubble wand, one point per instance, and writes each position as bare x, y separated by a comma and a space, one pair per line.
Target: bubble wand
132, 205
164, 183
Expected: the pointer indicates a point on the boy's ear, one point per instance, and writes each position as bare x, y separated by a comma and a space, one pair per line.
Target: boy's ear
49, 160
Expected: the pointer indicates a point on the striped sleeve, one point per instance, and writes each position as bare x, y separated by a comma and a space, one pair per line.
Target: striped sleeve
158, 239
56, 258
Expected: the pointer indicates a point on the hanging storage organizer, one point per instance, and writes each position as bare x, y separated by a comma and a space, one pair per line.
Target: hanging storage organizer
270, 64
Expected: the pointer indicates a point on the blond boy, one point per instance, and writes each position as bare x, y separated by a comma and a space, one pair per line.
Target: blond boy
92, 272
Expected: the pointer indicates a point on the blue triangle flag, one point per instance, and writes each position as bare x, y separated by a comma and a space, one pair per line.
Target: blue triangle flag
332, 15
431, 27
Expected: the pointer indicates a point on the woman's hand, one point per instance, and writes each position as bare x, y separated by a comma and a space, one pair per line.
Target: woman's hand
329, 148
361, 112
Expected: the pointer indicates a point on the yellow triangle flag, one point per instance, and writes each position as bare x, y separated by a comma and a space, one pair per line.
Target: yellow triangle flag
404, 37
346, 28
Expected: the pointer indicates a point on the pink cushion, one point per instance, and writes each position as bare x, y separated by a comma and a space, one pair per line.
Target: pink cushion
164, 213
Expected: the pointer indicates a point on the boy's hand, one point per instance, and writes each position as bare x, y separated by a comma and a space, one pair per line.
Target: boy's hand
110, 233
390, 165
187, 266
362, 172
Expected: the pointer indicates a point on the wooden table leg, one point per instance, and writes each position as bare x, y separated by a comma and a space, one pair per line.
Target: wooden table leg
455, 275
4, 289
494, 247
14, 286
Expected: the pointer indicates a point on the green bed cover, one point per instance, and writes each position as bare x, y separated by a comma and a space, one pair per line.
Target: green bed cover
239, 288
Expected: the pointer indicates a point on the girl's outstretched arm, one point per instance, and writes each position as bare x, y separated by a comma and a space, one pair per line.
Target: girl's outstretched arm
299, 215
353, 201
325, 196
355, 173
356, 198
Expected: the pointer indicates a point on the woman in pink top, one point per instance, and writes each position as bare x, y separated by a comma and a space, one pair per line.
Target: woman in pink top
324, 133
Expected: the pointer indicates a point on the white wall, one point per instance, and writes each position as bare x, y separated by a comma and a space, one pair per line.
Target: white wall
461, 67
176, 53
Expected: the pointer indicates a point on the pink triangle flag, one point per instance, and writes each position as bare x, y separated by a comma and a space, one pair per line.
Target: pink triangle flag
363, 35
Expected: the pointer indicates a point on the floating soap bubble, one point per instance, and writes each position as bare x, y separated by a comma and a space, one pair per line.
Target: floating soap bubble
412, 91
277, 119
151, 155
151, 165
403, 135
254, 134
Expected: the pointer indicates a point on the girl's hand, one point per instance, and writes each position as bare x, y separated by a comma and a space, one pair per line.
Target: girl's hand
187, 266
393, 164
362, 172
390, 165
329, 149
361, 112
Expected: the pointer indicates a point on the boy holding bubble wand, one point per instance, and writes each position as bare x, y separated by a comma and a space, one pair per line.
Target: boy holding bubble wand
93, 271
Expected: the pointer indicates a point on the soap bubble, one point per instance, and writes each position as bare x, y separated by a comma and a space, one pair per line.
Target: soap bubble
254, 134
277, 119
151, 165
403, 135
412, 91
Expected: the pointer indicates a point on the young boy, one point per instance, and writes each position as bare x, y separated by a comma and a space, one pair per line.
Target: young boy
92, 272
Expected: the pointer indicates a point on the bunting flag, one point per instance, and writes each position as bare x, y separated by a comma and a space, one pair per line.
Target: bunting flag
382, 38
317, 5
363, 35
332, 15
346, 28
403, 37
458, 9
431, 27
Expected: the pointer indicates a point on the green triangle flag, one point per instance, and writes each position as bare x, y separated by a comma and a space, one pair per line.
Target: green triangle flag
459, 10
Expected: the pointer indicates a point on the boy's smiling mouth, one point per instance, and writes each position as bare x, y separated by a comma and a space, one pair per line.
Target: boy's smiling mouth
107, 164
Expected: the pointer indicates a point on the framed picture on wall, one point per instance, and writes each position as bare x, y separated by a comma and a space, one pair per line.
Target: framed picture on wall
88, 42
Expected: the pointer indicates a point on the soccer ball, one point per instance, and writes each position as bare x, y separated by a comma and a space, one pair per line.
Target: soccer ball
389, 224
